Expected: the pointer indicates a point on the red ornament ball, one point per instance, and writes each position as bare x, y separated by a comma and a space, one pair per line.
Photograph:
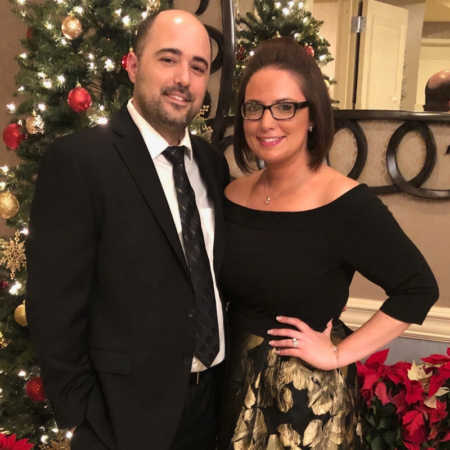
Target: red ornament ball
4, 284
309, 50
29, 33
124, 61
240, 54
35, 389
79, 99
13, 136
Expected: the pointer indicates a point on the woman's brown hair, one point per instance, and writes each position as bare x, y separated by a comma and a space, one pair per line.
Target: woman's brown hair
286, 54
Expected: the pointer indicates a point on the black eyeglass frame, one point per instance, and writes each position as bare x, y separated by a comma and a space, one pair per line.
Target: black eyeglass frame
297, 106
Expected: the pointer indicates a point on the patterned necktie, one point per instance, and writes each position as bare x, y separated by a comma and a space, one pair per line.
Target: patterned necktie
205, 317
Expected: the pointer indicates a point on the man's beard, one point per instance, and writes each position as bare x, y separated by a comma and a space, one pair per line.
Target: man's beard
157, 112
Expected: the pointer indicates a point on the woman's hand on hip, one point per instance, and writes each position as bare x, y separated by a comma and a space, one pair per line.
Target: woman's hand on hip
303, 342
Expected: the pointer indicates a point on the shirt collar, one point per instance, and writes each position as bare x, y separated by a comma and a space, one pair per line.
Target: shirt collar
155, 143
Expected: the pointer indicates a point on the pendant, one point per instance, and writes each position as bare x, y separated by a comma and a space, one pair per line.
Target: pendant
267, 200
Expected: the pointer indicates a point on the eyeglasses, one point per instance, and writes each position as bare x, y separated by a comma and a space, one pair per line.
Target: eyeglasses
279, 111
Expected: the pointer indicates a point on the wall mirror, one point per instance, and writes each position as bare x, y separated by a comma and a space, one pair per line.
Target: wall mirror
384, 59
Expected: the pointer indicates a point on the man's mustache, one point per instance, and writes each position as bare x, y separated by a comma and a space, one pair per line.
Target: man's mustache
178, 90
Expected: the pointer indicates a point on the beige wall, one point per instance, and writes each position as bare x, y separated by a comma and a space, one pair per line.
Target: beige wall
426, 222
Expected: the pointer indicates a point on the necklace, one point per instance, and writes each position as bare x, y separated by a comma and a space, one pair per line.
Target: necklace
268, 199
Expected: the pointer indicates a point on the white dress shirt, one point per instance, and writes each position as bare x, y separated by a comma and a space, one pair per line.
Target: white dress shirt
156, 144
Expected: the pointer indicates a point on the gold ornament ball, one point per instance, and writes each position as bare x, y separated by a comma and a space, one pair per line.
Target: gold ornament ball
71, 27
20, 315
154, 5
9, 205
34, 124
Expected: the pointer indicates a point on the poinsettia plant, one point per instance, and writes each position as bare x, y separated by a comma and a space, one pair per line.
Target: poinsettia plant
406, 405
10, 442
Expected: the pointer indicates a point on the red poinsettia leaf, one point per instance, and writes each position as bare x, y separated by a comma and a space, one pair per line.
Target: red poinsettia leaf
382, 394
436, 359
414, 393
377, 358
369, 381
436, 381
399, 401
414, 427
11, 443
446, 438
439, 413
411, 446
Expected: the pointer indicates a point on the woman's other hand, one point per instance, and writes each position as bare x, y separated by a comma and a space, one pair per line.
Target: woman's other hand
313, 347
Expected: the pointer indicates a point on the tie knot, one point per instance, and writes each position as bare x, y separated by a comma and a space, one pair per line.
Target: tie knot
175, 154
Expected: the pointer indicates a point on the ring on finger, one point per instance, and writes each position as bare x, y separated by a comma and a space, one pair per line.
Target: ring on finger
294, 342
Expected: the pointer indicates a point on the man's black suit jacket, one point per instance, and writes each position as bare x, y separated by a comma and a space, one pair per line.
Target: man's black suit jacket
109, 296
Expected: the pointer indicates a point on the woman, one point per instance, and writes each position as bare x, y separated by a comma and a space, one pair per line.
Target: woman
297, 231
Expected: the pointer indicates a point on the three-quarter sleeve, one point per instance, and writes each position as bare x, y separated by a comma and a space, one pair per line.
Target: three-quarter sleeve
376, 246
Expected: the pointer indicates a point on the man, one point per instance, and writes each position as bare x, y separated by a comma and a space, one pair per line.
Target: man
122, 299
437, 92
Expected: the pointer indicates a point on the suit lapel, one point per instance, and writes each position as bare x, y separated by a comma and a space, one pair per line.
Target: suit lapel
214, 189
133, 152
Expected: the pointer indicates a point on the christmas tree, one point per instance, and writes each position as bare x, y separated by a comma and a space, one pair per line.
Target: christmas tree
271, 19
72, 75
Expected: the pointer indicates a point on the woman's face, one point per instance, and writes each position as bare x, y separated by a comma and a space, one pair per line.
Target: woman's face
276, 141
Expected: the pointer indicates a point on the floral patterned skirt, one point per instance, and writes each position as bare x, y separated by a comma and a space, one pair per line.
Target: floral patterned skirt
274, 402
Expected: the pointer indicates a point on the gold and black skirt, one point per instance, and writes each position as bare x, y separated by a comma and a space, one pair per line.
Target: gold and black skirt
274, 402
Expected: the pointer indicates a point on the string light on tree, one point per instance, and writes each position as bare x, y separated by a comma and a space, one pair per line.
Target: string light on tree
15, 288
126, 21
42, 107
23, 55
11, 107
109, 65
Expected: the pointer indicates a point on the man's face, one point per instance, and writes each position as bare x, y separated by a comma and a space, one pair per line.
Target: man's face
171, 73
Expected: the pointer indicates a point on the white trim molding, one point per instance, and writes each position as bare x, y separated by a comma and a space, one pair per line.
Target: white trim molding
436, 326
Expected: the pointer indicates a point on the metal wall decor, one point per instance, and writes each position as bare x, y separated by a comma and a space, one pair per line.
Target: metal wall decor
224, 60
409, 122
